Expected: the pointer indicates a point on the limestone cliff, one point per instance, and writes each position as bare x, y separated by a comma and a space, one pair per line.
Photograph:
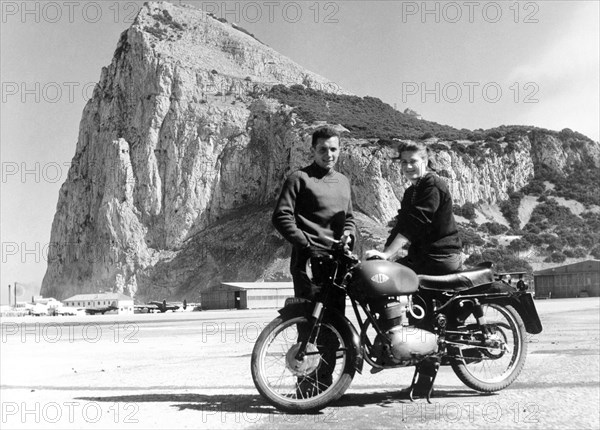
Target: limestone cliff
179, 161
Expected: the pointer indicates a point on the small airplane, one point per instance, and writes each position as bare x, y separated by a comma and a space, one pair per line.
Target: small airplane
68, 311
163, 306
101, 310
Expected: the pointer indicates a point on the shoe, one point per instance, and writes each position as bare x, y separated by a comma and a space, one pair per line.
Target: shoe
308, 386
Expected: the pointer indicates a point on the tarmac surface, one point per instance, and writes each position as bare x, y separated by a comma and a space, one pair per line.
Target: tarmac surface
192, 370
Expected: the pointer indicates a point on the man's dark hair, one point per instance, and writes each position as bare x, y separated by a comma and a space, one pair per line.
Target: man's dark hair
324, 133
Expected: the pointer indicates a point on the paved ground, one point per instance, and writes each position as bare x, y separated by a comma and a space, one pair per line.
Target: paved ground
192, 370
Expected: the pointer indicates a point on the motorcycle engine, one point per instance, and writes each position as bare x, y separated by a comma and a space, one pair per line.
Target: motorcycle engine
403, 344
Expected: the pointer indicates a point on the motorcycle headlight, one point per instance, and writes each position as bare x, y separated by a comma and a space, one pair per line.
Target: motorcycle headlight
321, 270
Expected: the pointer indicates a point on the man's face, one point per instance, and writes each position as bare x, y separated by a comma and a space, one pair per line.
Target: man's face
413, 165
326, 152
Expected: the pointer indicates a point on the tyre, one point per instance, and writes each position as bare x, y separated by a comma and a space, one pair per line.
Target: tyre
490, 369
310, 384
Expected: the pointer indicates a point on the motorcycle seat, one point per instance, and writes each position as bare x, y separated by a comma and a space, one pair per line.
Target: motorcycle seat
459, 281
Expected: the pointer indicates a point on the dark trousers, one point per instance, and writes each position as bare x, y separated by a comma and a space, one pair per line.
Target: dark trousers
334, 298
432, 264
327, 342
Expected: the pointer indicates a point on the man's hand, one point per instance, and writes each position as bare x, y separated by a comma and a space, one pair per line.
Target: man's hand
346, 240
374, 253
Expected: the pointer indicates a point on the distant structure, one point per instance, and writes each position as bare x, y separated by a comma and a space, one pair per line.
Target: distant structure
123, 303
409, 111
571, 280
45, 305
247, 295
38, 306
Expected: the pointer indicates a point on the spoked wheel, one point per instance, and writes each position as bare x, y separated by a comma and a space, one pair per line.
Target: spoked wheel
499, 360
307, 383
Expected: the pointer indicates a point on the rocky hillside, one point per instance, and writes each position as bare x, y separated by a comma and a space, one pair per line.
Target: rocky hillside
189, 135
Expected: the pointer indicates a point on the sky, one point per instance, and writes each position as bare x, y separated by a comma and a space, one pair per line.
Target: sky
472, 64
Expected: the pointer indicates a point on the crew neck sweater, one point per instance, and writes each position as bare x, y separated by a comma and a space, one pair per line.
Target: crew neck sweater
314, 205
425, 218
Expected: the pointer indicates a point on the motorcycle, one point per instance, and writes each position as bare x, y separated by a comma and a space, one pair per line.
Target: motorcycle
306, 358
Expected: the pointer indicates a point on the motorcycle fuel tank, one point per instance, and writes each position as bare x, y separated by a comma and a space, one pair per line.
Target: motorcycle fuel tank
384, 278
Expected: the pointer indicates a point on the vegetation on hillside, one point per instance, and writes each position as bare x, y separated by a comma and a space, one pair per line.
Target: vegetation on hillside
556, 228
553, 232
580, 182
510, 209
365, 117
467, 210
504, 260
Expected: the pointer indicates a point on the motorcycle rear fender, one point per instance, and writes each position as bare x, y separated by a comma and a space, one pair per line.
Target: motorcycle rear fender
303, 307
521, 301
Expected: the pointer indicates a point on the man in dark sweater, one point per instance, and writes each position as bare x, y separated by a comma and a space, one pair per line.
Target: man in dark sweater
425, 219
315, 205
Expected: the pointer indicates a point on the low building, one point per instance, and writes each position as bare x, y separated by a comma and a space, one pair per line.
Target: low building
409, 111
571, 280
247, 295
100, 301
19, 309
52, 305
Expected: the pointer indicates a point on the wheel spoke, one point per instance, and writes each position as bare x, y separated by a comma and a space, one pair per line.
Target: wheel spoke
285, 377
493, 364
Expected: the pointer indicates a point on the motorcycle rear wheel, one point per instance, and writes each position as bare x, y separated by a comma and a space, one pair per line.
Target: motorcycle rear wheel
493, 369
294, 386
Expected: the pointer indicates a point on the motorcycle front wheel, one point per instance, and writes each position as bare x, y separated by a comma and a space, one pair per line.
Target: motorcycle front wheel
489, 369
308, 384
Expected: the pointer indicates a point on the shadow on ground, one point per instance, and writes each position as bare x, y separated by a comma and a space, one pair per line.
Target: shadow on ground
255, 404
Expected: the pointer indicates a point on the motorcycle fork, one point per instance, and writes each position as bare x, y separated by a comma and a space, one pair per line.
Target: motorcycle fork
317, 317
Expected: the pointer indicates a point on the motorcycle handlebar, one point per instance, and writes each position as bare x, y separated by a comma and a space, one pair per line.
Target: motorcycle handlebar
341, 245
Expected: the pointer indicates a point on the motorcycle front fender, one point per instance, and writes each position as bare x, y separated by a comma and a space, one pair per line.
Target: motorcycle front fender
303, 307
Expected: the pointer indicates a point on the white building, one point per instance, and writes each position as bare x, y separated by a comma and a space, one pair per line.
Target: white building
51, 305
123, 303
